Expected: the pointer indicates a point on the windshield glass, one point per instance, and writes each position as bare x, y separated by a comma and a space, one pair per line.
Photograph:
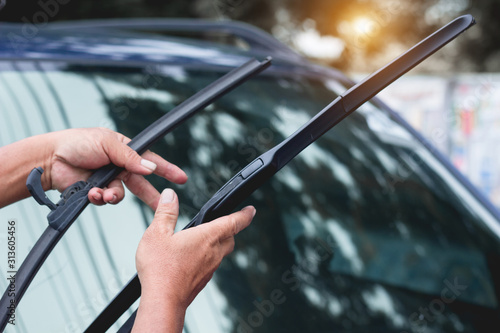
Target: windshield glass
365, 230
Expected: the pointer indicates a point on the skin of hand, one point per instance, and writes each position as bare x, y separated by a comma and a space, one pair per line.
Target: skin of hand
174, 267
69, 156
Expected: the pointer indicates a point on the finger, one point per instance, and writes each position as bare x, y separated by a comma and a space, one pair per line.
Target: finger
143, 189
114, 192
95, 196
166, 169
167, 211
120, 154
228, 226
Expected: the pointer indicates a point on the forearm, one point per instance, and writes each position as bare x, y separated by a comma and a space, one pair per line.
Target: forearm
157, 314
16, 162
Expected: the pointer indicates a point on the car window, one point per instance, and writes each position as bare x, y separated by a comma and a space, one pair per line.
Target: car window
365, 230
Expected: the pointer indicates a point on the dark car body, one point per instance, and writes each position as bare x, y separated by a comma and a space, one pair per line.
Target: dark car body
369, 229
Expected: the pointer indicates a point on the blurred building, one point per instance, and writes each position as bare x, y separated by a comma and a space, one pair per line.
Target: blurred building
460, 115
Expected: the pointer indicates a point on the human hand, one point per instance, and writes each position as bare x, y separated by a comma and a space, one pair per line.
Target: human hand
77, 151
174, 267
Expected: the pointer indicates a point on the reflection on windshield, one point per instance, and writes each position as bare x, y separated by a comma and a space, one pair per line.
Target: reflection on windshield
363, 231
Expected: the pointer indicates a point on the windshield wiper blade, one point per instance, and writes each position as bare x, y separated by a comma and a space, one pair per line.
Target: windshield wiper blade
244, 183
266, 165
74, 198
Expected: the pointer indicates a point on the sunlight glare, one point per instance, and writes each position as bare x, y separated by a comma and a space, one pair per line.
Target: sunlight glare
363, 25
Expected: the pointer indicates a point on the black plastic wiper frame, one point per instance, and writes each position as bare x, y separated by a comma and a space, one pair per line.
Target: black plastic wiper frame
265, 166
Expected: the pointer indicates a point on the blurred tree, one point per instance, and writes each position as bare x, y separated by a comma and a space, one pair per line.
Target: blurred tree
369, 32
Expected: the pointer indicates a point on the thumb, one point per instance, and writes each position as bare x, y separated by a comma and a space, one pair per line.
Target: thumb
167, 211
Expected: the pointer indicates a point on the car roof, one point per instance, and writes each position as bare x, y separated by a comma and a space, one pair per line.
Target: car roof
114, 45
153, 41
125, 40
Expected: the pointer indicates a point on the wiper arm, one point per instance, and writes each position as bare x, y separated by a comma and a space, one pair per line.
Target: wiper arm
74, 199
265, 166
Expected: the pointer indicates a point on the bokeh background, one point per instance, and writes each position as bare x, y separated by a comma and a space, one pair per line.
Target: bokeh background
453, 98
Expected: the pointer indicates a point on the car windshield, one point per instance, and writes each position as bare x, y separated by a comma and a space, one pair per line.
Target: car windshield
365, 230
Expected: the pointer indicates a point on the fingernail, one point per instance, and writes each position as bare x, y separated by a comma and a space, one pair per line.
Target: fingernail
97, 197
148, 164
113, 200
253, 210
167, 196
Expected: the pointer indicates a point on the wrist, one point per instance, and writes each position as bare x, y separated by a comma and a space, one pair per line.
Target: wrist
160, 292
159, 313
49, 157
47, 143
18, 159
